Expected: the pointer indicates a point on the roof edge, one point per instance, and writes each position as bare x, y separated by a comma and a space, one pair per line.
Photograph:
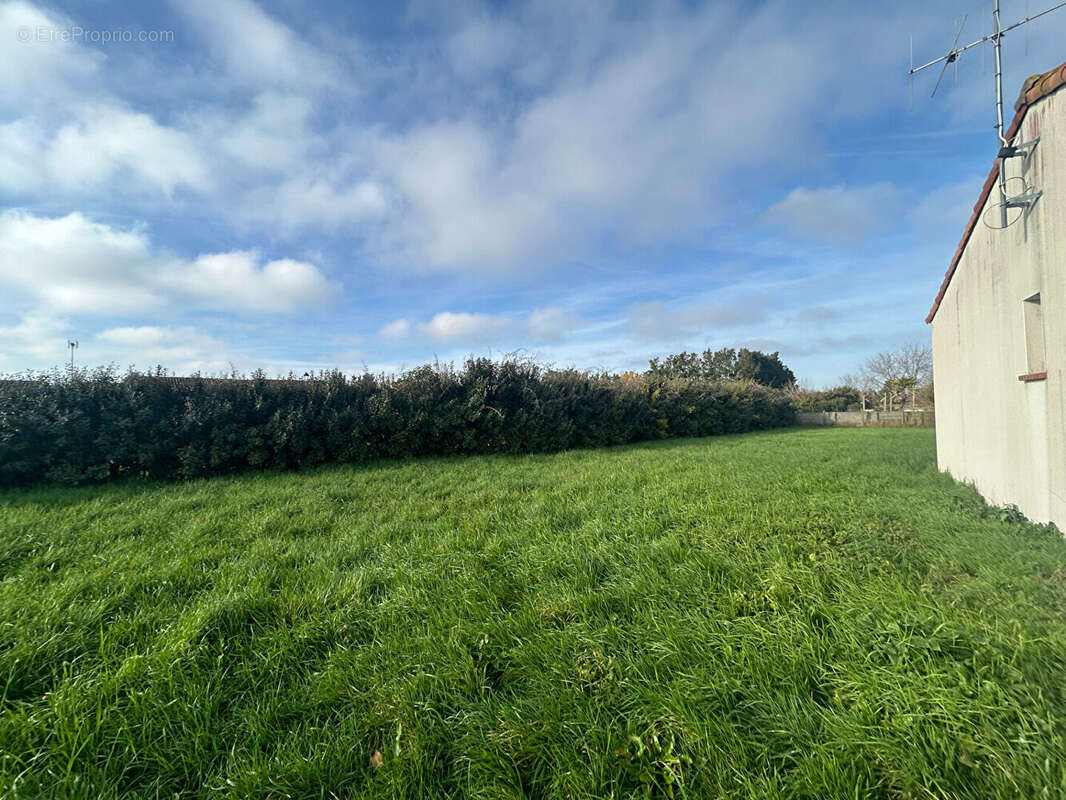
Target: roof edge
1034, 89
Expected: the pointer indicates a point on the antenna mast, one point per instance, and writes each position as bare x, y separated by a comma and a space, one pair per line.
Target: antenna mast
997, 43
1005, 149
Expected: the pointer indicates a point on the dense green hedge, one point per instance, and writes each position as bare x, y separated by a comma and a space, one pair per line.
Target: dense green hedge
81, 426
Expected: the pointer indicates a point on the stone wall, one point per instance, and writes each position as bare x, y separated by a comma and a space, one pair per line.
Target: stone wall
909, 418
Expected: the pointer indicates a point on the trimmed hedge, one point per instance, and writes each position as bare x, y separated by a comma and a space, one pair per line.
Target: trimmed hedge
82, 426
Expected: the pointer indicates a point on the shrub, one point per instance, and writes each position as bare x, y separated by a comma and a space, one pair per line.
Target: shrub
84, 426
840, 398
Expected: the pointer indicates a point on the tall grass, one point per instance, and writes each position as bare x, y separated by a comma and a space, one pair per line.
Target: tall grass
797, 614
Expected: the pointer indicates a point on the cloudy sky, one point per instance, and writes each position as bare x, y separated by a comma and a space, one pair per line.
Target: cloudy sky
293, 185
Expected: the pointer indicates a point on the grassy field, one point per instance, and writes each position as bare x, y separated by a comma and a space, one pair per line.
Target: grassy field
800, 614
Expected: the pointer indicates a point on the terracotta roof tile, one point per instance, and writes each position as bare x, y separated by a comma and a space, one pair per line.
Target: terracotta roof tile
1033, 89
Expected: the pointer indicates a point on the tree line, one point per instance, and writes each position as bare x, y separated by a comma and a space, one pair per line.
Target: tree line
726, 364
890, 380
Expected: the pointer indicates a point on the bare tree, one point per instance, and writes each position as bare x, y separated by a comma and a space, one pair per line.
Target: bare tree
869, 386
898, 373
912, 362
915, 362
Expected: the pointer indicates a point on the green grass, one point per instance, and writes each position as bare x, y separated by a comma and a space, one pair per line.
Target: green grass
801, 614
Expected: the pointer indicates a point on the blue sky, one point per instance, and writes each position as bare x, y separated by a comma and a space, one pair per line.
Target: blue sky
297, 186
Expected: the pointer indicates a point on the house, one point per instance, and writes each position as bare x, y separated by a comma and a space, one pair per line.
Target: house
999, 321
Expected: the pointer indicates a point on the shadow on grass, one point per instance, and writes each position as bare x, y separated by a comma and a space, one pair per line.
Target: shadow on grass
134, 486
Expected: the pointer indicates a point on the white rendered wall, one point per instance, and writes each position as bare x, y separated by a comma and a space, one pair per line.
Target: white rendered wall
1002, 435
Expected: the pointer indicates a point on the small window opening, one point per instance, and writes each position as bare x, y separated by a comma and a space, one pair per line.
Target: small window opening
1034, 334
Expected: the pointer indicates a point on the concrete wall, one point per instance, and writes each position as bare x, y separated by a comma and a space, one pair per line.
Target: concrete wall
1001, 434
916, 418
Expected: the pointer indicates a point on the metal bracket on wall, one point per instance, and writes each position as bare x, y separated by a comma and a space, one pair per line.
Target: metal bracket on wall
1024, 200
1023, 150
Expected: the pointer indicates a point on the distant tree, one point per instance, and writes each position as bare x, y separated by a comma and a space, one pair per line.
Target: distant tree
897, 390
912, 361
684, 365
766, 369
894, 376
916, 361
721, 364
763, 368
691, 366
925, 396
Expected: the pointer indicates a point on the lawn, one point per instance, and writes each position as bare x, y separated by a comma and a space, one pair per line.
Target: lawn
800, 614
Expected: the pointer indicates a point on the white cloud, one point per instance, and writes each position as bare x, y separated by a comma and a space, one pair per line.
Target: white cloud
273, 134
106, 141
483, 45
74, 264
838, 213
451, 215
497, 140
37, 336
657, 320
947, 208
396, 330
102, 145
141, 336
20, 156
637, 143
463, 327
65, 131
817, 314
631, 133
309, 202
552, 324
256, 48
39, 72
541, 325
239, 280
70, 134
182, 349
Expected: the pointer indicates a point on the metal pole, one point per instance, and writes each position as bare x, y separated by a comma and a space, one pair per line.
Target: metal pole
997, 37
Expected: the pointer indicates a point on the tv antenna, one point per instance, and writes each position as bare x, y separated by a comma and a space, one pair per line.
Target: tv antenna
1006, 150
73, 345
